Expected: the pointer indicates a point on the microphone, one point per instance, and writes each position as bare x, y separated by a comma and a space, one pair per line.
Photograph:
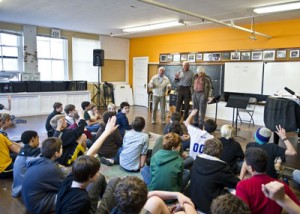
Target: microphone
289, 90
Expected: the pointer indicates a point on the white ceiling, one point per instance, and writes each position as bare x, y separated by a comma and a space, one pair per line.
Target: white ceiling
107, 17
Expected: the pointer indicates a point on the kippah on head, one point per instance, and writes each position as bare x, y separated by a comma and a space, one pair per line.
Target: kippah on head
262, 135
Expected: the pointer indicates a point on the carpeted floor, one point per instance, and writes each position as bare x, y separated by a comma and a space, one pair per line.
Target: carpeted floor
115, 170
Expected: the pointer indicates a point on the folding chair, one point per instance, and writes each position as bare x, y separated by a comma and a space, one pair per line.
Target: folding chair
249, 110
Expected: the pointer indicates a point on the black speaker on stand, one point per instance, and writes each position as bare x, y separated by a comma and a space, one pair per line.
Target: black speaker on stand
98, 60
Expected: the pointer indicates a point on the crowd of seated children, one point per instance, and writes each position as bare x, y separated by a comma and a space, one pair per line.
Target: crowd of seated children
197, 135
73, 140
250, 190
232, 150
44, 176
111, 148
130, 195
175, 119
8, 149
262, 137
79, 192
94, 113
69, 111
30, 150
57, 109
135, 146
166, 163
92, 124
210, 176
122, 119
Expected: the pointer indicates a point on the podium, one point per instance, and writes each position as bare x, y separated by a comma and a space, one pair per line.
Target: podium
236, 102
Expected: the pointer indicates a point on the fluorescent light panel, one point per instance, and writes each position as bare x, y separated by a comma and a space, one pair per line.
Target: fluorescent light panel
278, 8
153, 26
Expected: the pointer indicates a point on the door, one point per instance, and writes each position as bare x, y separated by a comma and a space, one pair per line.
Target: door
140, 74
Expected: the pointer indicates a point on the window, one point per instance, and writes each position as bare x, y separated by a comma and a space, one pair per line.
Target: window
10, 52
52, 58
83, 68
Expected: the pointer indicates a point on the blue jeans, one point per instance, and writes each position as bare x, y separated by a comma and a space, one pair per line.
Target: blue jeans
116, 158
93, 128
296, 176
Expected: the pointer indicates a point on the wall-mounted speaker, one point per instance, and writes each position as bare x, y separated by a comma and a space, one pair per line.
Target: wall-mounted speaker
98, 57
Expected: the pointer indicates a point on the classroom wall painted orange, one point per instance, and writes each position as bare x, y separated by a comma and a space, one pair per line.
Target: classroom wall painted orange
285, 34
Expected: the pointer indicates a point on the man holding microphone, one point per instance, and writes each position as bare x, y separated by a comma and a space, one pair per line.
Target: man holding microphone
159, 85
184, 79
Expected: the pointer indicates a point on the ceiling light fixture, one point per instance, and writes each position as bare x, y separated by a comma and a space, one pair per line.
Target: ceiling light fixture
278, 8
153, 26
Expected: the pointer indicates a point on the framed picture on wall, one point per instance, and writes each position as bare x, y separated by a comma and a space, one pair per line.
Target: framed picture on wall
294, 53
269, 55
199, 56
225, 56
191, 58
176, 57
216, 56
246, 56
183, 57
281, 54
170, 58
235, 55
163, 58
256, 55
208, 57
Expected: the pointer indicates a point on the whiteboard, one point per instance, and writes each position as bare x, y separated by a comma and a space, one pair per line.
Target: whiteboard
278, 75
243, 77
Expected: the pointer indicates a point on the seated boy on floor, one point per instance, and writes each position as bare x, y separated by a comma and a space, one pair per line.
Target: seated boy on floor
135, 146
30, 139
175, 119
73, 140
109, 152
197, 135
69, 111
72, 196
92, 125
43, 178
90, 138
57, 109
8, 149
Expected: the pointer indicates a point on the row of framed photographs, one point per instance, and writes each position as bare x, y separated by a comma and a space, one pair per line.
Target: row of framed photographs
268, 55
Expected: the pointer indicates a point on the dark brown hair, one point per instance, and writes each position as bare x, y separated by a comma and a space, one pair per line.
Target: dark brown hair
85, 167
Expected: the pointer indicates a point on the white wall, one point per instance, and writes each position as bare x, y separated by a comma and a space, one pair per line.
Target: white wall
116, 48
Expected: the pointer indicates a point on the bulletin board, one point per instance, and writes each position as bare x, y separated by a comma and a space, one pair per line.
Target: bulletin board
113, 71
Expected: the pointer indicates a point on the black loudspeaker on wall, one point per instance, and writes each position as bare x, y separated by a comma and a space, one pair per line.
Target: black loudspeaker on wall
98, 57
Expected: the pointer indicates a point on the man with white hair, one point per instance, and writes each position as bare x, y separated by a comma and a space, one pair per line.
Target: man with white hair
184, 81
201, 91
159, 85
